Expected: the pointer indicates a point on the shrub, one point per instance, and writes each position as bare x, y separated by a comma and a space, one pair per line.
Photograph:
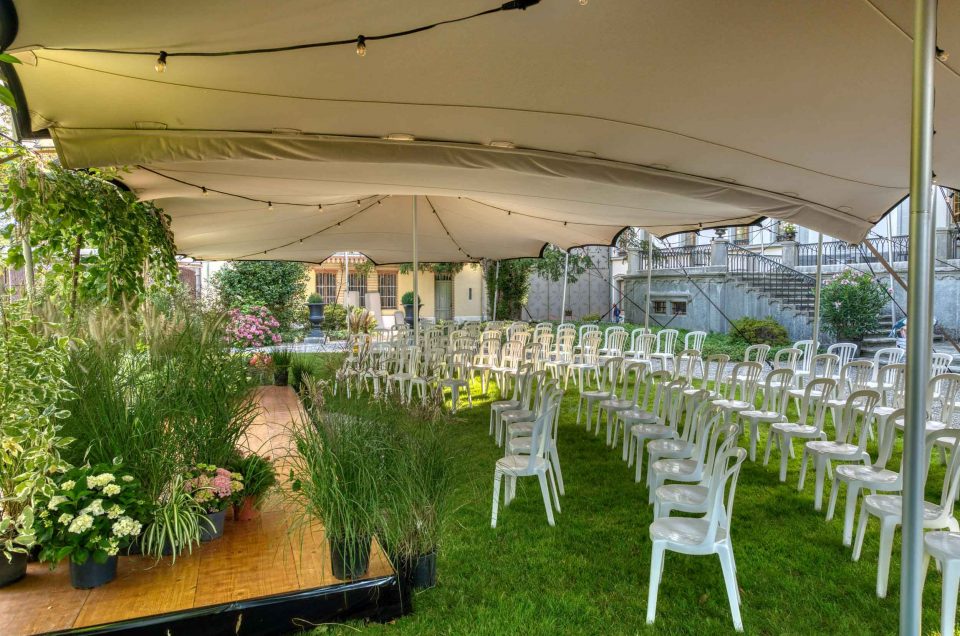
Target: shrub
590, 318
407, 298
759, 331
334, 317
253, 327
850, 305
315, 299
278, 285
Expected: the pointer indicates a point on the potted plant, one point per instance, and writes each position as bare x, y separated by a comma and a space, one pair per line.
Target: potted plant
261, 363
315, 305
336, 478
851, 304
407, 301
177, 524
419, 505
361, 321
93, 513
32, 370
259, 476
214, 489
281, 366
788, 231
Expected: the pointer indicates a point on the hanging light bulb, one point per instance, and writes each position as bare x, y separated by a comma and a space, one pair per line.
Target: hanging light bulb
320, 207
161, 64
203, 191
583, 3
942, 55
358, 203
270, 205
361, 46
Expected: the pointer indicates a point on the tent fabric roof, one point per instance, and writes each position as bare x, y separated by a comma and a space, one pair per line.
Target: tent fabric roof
666, 115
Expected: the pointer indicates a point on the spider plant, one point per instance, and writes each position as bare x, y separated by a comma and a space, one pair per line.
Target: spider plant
177, 524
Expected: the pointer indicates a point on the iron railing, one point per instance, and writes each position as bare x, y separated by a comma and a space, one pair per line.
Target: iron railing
842, 253
774, 279
678, 257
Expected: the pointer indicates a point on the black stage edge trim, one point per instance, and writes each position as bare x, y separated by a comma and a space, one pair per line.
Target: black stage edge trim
380, 599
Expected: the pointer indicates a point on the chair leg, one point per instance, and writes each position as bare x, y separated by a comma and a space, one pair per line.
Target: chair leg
555, 460
887, 530
730, 579
766, 451
861, 531
638, 459
832, 503
496, 499
754, 433
656, 571
544, 490
784, 457
948, 604
850, 510
803, 469
553, 488
821, 467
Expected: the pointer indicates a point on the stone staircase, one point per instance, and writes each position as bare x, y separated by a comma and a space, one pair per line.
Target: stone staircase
880, 339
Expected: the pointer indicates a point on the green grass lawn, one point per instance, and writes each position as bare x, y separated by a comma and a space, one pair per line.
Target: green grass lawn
589, 573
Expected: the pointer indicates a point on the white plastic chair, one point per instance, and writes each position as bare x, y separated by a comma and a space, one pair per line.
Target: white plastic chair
945, 548
587, 361
756, 353
520, 442
606, 389
741, 390
694, 340
691, 469
647, 425
774, 406
889, 510
707, 535
859, 405
534, 464
883, 357
940, 363
666, 343
845, 352
809, 424
456, 377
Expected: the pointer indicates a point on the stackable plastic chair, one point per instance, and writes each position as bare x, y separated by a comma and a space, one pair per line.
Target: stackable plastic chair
456, 377
521, 389
889, 510
883, 357
709, 534
849, 445
945, 548
845, 352
809, 424
691, 469
587, 361
741, 391
756, 353
606, 389
666, 343
519, 442
774, 406
534, 464
659, 423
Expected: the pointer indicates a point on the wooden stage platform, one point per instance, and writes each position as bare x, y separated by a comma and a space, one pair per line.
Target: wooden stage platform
257, 579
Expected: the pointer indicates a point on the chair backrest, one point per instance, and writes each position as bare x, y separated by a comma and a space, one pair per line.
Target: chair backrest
885, 356
951, 478
943, 391
634, 335
464, 342
891, 384
563, 350
667, 341
511, 353
658, 383
713, 368
744, 381
584, 330
824, 365
705, 447
614, 342
856, 375
590, 346
806, 353
787, 358
459, 363
776, 389
688, 361
542, 328
813, 407
726, 473
694, 340
859, 405
940, 363
756, 353
845, 351
888, 438
545, 340
644, 345
609, 374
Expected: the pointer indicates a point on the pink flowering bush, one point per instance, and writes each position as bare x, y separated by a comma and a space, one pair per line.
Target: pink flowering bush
214, 488
851, 303
253, 327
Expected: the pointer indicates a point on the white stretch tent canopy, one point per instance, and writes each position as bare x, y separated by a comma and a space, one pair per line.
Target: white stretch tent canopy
668, 115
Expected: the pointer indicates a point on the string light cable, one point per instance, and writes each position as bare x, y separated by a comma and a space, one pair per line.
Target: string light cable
360, 42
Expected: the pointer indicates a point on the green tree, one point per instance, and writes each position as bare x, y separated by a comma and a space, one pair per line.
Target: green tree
850, 304
513, 286
278, 285
550, 265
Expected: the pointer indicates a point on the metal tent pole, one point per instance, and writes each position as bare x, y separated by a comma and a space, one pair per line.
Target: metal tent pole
893, 305
346, 279
416, 279
496, 290
919, 313
646, 309
563, 303
816, 299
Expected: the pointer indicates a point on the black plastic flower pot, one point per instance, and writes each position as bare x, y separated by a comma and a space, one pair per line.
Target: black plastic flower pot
90, 574
280, 377
350, 559
13, 570
214, 529
418, 572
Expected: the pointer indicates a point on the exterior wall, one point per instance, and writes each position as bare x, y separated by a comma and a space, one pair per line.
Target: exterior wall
730, 297
470, 278
591, 294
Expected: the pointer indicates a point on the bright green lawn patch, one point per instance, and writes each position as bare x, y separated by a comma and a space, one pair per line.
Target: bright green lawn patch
588, 575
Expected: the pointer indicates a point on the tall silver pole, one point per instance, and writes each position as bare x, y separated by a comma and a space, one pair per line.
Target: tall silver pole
919, 313
893, 306
496, 290
346, 279
563, 303
646, 309
816, 301
416, 279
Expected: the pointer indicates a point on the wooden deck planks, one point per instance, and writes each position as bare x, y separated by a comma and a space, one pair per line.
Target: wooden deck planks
253, 559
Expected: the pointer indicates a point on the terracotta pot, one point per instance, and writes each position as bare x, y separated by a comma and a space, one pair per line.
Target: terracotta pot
246, 510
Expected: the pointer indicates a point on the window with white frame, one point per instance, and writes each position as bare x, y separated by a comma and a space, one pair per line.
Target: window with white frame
387, 283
